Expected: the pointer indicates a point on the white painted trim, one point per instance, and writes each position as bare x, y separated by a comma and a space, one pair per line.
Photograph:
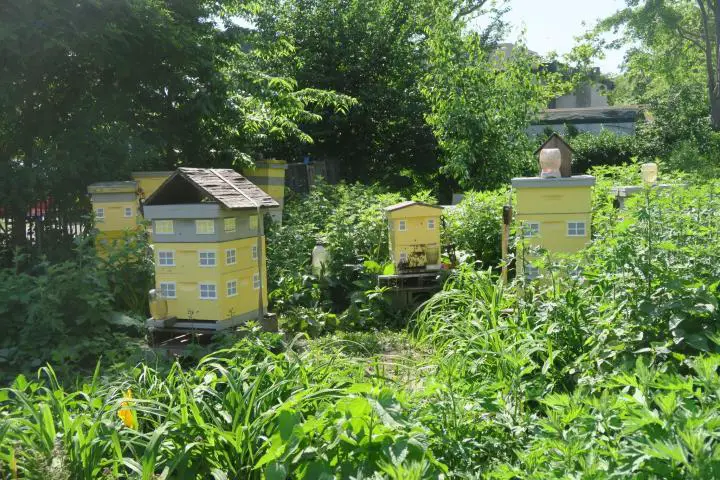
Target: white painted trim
172, 227
204, 221
174, 285
201, 284
227, 288
214, 252
576, 222
171, 252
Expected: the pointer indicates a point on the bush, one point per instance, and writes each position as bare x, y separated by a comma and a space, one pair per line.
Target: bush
64, 312
604, 148
475, 225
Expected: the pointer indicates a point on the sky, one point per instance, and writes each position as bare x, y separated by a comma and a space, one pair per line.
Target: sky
551, 25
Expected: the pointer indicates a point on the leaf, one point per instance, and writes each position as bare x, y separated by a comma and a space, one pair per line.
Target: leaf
276, 471
287, 421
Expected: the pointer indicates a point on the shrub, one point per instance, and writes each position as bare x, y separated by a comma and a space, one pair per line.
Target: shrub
475, 225
598, 149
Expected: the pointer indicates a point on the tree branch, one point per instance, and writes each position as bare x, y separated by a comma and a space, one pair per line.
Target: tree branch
469, 9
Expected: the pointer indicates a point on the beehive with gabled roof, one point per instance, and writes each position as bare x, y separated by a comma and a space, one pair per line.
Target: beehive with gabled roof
414, 235
207, 232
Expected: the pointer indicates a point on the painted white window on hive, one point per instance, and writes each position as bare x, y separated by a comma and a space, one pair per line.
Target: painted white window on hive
231, 288
168, 290
431, 224
204, 227
207, 259
208, 291
402, 225
100, 214
256, 281
230, 225
531, 229
576, 229
254, 252
128, 212
166, 258
253, 222
230, 256
163, 227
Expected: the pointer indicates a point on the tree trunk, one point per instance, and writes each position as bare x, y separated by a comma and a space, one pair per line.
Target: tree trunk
715, 90
712, 43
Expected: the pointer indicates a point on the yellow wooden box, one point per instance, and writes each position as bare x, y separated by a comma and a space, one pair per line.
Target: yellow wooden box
414, 235
554, 214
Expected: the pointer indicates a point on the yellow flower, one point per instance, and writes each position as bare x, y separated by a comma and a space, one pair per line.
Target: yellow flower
125, 414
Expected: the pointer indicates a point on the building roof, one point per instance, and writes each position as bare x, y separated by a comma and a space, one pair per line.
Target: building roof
224, 186
401, 205
616, 114
554, 135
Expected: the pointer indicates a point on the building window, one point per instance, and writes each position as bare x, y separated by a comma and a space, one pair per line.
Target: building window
230, 256
168, 290
231, 288
403, 257
230, 225
253, 222
576, 229
208, 291
256, 281
100, 214
163, 227
207, 259
431, 224
254, 252
128, 212
166, 258
531, 229
402, 225
204, 227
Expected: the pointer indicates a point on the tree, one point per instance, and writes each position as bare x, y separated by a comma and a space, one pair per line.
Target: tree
678, 42
377, 52
481, 103
91, 90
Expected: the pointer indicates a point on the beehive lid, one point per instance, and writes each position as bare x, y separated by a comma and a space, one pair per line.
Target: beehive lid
113, 187
410, 203
200, 185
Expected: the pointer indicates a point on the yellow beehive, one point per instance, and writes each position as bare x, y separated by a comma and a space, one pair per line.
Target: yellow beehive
115, 205
414, 232
209, 247
148, 182
554, 214
269, 175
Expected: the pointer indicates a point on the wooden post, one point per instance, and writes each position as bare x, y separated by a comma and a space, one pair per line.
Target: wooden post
507, 218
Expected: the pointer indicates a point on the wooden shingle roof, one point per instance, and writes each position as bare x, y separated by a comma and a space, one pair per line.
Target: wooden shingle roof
222, 185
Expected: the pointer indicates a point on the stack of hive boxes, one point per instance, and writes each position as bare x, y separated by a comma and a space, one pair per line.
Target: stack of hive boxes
554, 213
209, 243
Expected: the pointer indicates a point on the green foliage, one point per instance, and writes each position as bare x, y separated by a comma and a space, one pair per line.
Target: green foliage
351, 222
369, 50
244, 412
475, 225
604, 148
64, 312
87, 100
481, 105
129, 267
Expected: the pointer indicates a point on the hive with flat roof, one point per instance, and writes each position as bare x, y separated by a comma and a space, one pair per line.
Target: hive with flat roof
555, 212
